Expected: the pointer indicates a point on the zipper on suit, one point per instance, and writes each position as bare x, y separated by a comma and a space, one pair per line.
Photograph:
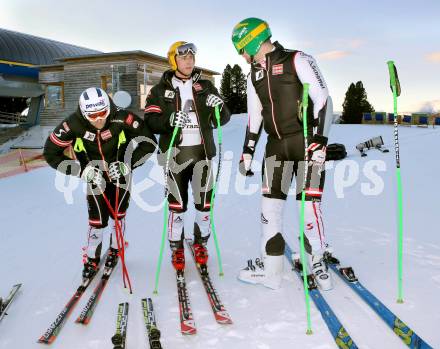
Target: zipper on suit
270, 97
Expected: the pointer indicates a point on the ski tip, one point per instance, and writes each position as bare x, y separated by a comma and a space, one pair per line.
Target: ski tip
189, 332
44, 340
223, 321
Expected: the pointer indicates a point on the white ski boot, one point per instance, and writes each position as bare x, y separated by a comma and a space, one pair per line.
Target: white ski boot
320, 271
268, 273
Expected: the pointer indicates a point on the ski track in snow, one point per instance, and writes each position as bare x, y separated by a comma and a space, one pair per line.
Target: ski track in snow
42, 237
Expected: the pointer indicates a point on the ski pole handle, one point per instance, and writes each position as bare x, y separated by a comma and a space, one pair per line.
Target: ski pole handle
392, 75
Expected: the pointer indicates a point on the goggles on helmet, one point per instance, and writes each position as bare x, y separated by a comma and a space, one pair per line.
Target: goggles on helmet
186, 49
98, 115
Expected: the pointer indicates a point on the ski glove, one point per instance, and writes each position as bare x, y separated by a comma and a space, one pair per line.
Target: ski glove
317, 149
179, 119
118, 169
214, 101
92, 175
246, 161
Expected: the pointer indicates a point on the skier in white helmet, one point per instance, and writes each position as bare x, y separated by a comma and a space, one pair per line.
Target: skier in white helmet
101, 134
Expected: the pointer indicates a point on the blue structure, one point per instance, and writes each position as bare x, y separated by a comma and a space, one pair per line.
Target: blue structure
367, 118
20, 56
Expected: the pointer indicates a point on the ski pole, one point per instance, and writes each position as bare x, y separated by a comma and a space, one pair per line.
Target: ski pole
305, 103
120, 239
214, 188
165, 210
395, 87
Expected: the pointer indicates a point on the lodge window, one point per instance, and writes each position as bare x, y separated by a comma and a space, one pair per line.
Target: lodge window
144, 91
107, 85
55, 95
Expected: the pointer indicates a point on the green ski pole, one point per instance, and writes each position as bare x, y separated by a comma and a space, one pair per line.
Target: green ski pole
305, 103
395, 87
220, 136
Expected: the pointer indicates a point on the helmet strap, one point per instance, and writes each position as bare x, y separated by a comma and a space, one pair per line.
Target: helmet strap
183, 76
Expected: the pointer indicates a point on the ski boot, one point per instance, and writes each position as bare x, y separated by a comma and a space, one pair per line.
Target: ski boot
321, 272
177, 255
112, 258
200, 251
267, 273
90, 267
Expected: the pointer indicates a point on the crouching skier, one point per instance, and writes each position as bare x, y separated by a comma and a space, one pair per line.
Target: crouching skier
101, 134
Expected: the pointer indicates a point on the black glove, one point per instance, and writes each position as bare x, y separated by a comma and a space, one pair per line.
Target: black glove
317, 149
245, 164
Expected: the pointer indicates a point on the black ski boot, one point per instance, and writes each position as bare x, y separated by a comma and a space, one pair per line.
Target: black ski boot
90, 267
112, 258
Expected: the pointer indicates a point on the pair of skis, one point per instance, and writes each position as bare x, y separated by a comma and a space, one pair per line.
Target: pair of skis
187, 323
86, 314
152, 329
6, 303
340, 335
337, 330
119, 339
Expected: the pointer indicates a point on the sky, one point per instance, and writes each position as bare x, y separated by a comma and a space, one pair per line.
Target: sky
351, 40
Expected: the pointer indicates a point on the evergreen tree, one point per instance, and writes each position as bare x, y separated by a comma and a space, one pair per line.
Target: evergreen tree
355, 104
233, 89
225, 85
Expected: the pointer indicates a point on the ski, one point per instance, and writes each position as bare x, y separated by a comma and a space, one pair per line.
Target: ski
5, 303
89, 309
52, 332
220, 313
338, 332
187, 324
153, 332
403, 331
119, 338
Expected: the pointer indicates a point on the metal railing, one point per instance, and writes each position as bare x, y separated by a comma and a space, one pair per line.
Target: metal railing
12, 118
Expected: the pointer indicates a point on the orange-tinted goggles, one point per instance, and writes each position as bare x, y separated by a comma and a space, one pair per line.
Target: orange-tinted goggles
97, 115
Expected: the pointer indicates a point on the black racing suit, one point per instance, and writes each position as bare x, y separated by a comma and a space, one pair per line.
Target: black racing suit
274, 92
164, 100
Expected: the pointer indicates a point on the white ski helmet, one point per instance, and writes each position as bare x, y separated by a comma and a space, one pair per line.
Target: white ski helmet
94, 104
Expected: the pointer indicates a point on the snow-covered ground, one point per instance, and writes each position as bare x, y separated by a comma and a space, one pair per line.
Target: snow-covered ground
42, 235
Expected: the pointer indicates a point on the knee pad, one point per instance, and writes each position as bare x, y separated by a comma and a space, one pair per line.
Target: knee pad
275, 245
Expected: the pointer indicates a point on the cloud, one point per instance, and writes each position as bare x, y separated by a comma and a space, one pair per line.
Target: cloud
428, 106
333, 55
433, 57
356, 43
